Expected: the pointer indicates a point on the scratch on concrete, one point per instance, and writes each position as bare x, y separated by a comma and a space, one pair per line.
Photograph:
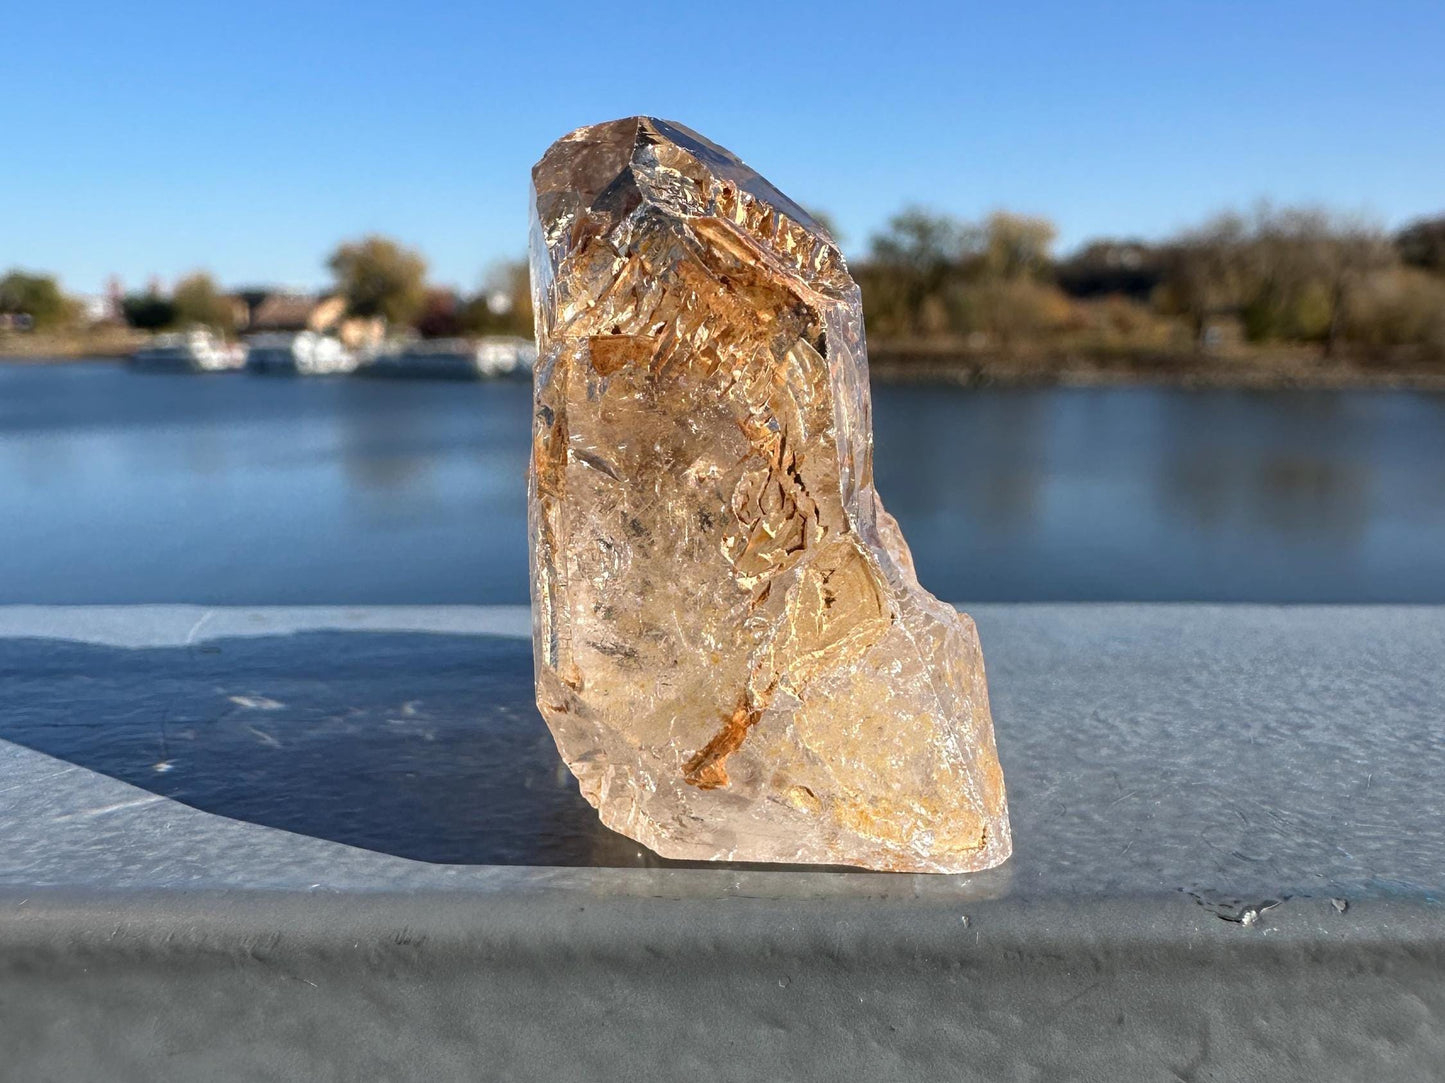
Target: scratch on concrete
89, 813
26, 783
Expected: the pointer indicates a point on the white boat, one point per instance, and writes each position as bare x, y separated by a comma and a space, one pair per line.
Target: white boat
506, 355
303, 353
189, 351
453, 358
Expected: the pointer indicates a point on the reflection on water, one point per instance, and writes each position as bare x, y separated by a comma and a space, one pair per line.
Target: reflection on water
1160, 494
117, 487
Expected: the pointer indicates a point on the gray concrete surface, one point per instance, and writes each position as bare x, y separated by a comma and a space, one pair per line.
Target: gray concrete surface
1228, 866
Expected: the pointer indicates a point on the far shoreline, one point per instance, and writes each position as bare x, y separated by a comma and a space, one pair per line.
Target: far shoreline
1261, 371
889, 363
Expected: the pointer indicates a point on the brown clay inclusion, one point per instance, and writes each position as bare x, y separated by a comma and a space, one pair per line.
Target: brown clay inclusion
733, 651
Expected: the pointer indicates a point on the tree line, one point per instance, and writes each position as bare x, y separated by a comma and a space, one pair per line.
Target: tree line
378, 277
1296, 276
1292, 276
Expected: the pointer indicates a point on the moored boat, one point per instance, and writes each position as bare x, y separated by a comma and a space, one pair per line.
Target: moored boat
303, 353
189, 351
452, 358
506, 355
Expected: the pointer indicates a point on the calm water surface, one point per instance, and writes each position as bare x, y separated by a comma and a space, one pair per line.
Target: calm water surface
118, 487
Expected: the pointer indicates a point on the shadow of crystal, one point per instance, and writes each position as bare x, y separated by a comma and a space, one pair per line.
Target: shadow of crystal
421, 745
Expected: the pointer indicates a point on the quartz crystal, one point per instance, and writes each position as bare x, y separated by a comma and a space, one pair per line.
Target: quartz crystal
733, 651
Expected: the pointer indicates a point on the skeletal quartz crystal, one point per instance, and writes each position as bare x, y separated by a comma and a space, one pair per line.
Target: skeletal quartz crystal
733, 652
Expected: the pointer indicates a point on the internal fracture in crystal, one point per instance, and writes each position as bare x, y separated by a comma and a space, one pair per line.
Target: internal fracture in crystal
733, 651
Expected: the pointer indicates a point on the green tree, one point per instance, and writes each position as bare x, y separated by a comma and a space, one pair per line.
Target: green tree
197, 301
379, 277
36, 296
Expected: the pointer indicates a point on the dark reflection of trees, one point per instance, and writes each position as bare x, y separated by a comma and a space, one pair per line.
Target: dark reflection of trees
1291, 472
1154, 494
1298, 497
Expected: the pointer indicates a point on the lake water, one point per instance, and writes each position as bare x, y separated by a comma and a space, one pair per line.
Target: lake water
119, 487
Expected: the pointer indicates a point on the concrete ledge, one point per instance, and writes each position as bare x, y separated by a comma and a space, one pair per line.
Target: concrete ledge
450, 986
1228, 866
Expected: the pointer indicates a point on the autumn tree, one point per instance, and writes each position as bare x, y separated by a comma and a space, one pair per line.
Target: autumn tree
1356, 254
1304, 266
1398, 309
37, 296
909, 265
928, 273
1205, 273
503, 306
379, 277
198, 302
1015, 246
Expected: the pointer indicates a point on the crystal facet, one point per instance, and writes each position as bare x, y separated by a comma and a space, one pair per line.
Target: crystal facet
733, 651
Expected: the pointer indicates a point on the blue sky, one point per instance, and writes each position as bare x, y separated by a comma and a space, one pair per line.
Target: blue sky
249, 138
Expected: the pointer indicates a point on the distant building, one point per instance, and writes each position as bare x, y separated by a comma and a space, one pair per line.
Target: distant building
285, 310
270, 311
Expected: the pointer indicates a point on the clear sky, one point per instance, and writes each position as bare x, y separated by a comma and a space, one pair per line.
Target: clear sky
248, 138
